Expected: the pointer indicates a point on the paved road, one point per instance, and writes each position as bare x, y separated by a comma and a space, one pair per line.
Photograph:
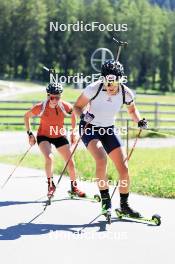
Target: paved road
18, 143
11, 89
53, 237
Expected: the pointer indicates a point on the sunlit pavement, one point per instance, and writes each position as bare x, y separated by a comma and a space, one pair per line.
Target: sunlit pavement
54, 235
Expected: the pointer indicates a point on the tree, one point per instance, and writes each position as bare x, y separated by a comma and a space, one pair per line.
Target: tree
165, 63
31, 23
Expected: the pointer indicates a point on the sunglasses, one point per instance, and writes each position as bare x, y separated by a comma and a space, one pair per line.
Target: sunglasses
54, 98
111, 83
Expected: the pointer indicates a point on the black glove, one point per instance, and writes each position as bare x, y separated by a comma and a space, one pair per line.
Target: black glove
143, 124
88, 117
29, 133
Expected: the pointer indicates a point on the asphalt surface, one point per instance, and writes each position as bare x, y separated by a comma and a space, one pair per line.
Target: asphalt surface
12, 89
54, 235
18, 143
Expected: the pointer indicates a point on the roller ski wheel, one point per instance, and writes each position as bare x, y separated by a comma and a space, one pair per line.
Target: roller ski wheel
119, 213
95, 198
156, 219
108, 218
50, 197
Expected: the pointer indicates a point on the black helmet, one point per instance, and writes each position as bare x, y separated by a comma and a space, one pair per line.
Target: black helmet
112, 67
54, 88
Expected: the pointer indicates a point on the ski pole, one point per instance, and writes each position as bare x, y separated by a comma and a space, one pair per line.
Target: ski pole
51, 73
72, 153
80, 231
128, 157
120, 44
156, 132
49, 70
18, 164
45, 68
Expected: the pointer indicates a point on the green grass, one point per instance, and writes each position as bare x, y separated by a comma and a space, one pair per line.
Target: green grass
155, 98
69, 95
152, 170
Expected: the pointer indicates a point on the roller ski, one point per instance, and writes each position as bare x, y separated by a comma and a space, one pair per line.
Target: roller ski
76, 193
127, 213
106, 208
51, 191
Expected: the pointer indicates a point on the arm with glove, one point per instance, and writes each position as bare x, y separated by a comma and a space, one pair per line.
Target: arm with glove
135, 115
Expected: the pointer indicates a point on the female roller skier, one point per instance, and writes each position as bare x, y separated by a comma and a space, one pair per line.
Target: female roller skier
51, 131
105, 99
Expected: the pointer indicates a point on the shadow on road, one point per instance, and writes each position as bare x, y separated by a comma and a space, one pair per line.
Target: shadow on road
24, 229
9, 203
38, 201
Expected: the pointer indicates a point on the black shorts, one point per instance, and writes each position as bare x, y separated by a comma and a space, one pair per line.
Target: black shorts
57, 142
107, 135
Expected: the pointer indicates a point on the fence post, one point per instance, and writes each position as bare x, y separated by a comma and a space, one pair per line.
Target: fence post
156, 115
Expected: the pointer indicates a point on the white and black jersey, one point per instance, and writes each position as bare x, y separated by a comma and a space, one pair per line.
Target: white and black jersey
104, 106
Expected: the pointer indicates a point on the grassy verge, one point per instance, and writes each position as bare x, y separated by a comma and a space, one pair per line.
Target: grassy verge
152, 170
69, 95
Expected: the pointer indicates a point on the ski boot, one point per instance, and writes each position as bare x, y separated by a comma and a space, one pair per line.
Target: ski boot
126, 211
75, 192
106, 208
51, 189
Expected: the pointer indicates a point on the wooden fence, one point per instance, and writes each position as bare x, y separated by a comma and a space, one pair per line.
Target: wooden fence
161, 115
